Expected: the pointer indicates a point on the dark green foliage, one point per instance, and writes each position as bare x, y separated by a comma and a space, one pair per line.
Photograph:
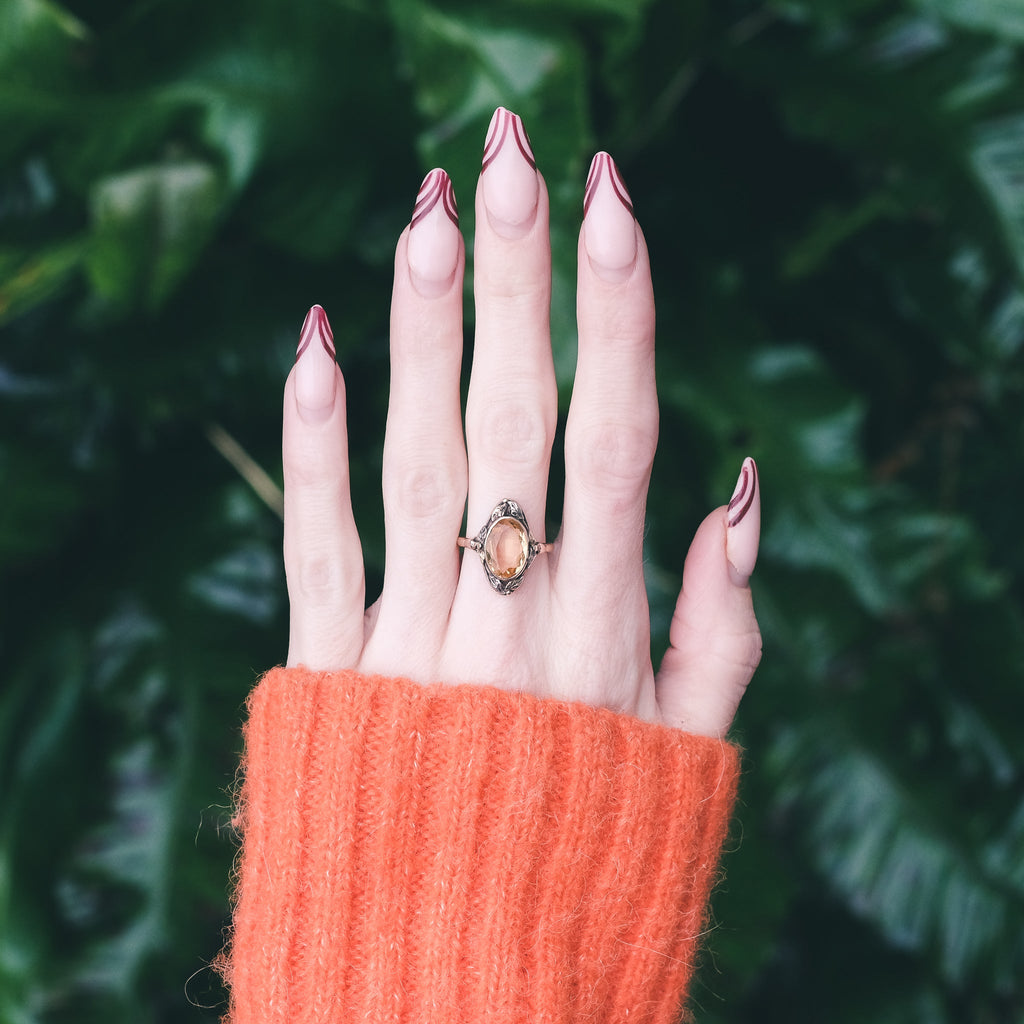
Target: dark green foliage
833, 194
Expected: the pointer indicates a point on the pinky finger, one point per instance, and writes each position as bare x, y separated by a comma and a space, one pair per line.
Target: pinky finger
714, 640
322, 554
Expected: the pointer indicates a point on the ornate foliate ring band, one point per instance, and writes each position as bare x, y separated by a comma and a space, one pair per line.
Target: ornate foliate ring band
505, 546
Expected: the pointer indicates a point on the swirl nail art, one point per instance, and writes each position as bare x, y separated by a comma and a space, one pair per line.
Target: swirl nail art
436, 187
316, 324
505, 125
743, 529
603, 167
743, 496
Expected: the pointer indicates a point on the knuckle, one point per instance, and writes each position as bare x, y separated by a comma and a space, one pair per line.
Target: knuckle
301, 473
624, 333
754, 649
620, 321
423, 490
311, 471
514, 434
615, 458
515, 289
322, 577
315, 579
739, 654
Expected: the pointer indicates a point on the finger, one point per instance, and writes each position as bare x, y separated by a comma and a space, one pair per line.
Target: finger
424, 476
612, 429
512, 404
715, 643
322, 555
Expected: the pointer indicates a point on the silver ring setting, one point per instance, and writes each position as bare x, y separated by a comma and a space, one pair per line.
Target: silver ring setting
505, 546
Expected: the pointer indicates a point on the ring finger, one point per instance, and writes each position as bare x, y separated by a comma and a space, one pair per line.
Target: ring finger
511, 410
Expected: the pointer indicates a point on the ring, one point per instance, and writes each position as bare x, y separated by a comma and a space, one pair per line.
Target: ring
505, 546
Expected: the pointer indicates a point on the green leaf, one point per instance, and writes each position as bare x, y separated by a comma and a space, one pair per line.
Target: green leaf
831, 229
884, 851
241, 583
149, 225
465, 67
29, 280
997, 157
1001, 17
36, 40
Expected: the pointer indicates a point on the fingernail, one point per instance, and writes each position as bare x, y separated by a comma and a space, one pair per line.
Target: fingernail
315, 377
509, 176
609, 227
743, 531
434, 236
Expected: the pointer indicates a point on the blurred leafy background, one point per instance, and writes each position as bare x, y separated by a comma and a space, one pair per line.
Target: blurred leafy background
833, 193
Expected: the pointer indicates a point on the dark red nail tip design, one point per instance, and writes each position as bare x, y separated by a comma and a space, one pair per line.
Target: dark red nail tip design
506, 123
316, 323
741, 501
603, 166
436, 186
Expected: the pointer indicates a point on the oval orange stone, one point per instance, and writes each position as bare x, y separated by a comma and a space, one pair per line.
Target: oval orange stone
506, 548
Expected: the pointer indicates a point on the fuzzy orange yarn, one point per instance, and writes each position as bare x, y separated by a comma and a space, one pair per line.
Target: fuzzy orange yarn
446, 855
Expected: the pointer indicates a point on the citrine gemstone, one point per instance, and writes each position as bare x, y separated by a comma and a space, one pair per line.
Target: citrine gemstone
506, 548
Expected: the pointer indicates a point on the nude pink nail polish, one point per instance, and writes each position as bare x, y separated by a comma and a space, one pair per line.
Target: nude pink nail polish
433, 250
508, 176
743, 525
609, 227
315, 368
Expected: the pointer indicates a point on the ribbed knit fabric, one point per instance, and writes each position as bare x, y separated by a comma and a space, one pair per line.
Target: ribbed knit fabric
447, 855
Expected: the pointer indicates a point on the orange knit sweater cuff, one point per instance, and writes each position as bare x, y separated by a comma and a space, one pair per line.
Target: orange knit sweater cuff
456, 854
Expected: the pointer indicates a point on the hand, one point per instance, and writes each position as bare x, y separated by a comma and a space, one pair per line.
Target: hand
578, 628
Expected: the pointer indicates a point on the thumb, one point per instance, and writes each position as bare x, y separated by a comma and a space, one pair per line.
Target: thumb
714, 640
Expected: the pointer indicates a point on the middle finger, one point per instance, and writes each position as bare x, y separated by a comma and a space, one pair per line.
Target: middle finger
511, 410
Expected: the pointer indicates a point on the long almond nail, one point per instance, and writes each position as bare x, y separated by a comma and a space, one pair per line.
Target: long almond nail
315, 368
508, 176
609, 227
743, 532
434, 236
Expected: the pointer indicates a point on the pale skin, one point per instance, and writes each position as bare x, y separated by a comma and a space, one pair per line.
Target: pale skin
578, 628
